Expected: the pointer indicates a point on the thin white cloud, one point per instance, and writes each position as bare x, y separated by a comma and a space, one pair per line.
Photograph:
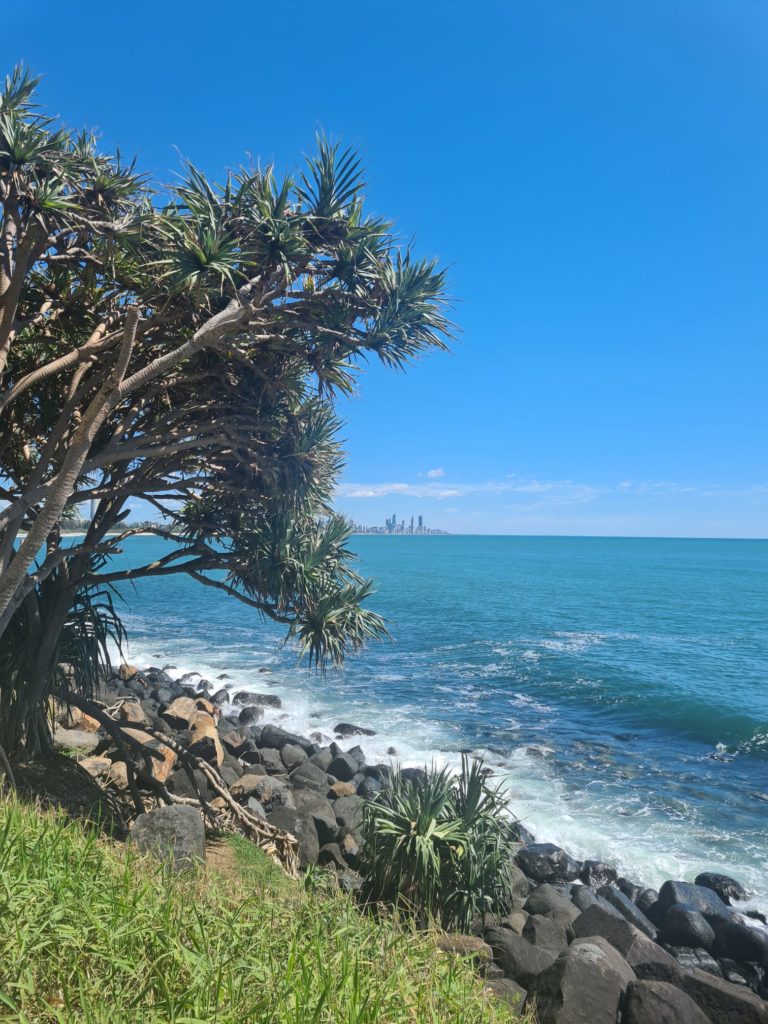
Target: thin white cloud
555, 492
434, 474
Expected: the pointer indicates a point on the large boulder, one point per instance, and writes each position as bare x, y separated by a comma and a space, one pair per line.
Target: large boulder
546, 900
349, 811
516, 956
727, 888
81, 740
343, 767
163, 759
656, 1002
204, 740
180, 712
292, 756
271, 792
174, 834
723, 1002
274, 736
310, 776
321, 812
544, 933
699, 897
345, 729
583, 986
302, 827
645, 957
627, 908
545, 862
742, 942
685, 926
596, 873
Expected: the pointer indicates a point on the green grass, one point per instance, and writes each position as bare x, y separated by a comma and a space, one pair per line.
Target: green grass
93, 934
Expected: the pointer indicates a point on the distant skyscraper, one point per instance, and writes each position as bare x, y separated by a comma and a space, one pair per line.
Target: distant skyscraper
421, 522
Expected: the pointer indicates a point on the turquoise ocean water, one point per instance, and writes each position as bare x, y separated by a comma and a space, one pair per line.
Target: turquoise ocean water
620, 686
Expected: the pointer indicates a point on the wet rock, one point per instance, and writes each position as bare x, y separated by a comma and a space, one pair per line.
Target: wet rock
645, 900
345, 729
685, 926
302, 827
696, 959
545, 862
630, 889
274, 736
656, 1002
174, 834
723, 1002
584, 984
627, 908
727, 888
699, 897
292, 756
596, 873
741, 942
249, 714
416, 776
519, 959
544, 933
380, 772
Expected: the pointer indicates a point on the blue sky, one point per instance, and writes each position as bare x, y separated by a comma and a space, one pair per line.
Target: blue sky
595, 174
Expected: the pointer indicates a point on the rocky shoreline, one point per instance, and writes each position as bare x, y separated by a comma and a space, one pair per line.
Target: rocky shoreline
586, 945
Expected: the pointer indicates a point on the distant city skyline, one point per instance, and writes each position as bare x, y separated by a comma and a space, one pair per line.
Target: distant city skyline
415, 528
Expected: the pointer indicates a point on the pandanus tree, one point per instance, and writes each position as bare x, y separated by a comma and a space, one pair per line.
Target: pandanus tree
185, 345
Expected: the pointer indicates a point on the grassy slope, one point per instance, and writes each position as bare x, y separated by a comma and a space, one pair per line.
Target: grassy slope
93, 934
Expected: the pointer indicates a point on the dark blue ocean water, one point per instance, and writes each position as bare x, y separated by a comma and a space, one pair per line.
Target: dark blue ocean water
620, 686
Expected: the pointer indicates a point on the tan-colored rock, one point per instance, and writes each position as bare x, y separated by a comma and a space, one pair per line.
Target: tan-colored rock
339, 789
180, 712
203, 704
132, 712
127, 671
73, 718
162, 766
106, 771
205, 740
96, 766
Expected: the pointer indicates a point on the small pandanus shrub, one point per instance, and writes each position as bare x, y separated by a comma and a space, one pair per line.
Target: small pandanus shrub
439, 846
